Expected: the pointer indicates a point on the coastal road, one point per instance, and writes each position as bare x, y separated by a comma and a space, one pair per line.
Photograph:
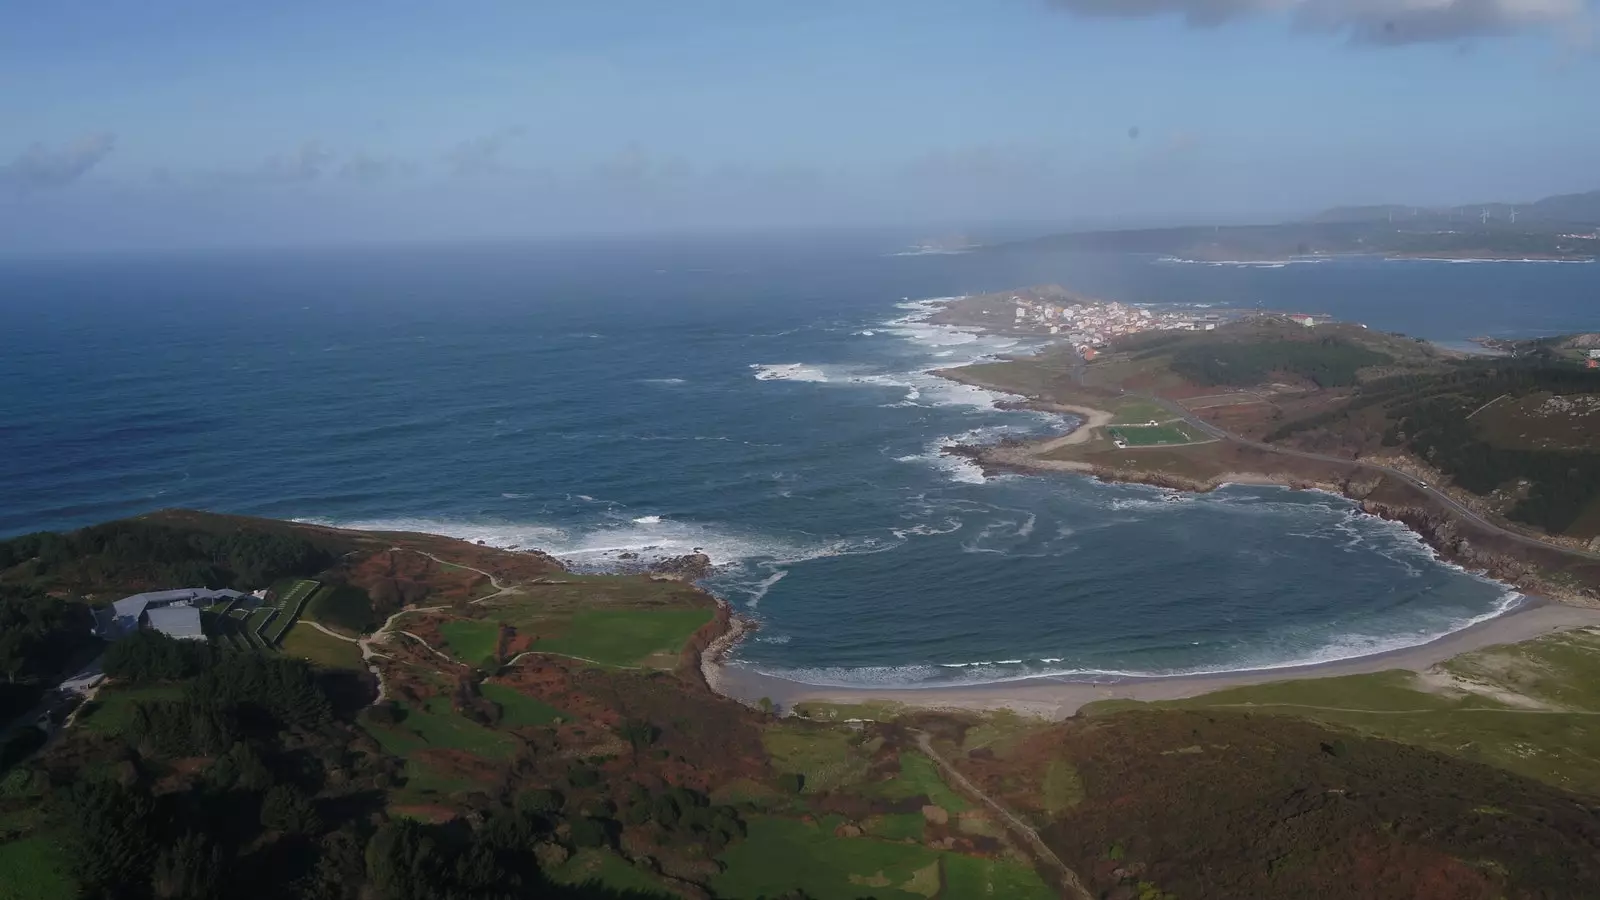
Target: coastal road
1451, 503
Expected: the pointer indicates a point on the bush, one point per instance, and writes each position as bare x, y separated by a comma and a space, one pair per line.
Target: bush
792, 782
540, 801
583, 777
287, 810
590, 833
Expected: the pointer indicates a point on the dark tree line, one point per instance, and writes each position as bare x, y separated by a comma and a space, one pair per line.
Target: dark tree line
146, 656
241, 695
242, 559
39, 634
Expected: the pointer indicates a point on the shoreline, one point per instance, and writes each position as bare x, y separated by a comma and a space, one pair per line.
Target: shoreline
1059, 697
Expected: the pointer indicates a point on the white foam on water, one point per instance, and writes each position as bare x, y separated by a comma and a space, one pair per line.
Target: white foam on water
1341, 648
663, 381
647, 520
788, 372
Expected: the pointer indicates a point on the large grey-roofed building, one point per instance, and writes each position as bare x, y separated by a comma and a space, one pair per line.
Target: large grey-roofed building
177, 622
124, 616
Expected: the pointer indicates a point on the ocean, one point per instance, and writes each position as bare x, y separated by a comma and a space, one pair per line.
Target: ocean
765, 401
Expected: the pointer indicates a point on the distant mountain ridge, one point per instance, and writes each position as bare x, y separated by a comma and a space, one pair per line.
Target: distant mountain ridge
1575, 209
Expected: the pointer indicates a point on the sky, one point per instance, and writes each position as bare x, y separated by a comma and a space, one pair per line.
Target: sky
201, 123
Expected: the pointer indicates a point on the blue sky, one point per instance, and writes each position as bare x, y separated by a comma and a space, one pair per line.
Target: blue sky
225, 122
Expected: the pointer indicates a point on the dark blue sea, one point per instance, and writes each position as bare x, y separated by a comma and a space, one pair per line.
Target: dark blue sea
763, 400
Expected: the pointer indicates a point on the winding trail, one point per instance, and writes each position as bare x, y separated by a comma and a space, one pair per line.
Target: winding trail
499, 588
380, 636
519, 657
1068, 880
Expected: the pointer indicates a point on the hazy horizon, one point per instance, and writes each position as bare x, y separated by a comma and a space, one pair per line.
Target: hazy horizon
181, 124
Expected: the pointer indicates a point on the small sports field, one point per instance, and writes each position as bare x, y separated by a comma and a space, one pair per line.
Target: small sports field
1152, 435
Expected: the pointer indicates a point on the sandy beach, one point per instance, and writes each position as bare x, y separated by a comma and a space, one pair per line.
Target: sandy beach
1058, 699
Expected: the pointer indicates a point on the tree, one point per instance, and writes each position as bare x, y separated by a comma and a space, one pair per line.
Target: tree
793, 782
188, 869
639, 734
588, 832
111, 836
287, 810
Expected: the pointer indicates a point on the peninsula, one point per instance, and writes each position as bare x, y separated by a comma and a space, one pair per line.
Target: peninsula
1494, 461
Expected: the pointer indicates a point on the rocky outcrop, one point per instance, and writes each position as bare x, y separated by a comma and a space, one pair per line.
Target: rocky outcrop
691, 567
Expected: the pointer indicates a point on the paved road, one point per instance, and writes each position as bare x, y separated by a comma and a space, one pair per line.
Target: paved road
1188, 416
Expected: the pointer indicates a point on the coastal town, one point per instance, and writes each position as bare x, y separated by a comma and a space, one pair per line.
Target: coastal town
1085, 322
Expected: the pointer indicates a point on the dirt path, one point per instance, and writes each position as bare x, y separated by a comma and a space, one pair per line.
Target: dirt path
380, 636
432, 649
499, 588
1067, 880
594, 662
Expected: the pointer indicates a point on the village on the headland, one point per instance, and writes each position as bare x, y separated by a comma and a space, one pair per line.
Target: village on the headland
1085, 322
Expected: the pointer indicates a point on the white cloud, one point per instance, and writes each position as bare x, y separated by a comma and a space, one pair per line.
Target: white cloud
52, 167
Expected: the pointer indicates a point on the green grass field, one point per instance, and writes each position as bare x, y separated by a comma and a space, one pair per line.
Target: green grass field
113, 706
436, 725
343, 607
919, 775
36, 868
780, 855
1138, 412
321, 649
970, 876
607, 869
1062, 788
626, 637
473, 641
1552, 735
1155, 436
518, 710
896, 826
827, 757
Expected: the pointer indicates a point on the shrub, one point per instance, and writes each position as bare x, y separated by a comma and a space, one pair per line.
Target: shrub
792, 782
589, 833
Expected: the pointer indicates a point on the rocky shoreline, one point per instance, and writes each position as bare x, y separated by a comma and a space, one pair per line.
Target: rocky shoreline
1527, 569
